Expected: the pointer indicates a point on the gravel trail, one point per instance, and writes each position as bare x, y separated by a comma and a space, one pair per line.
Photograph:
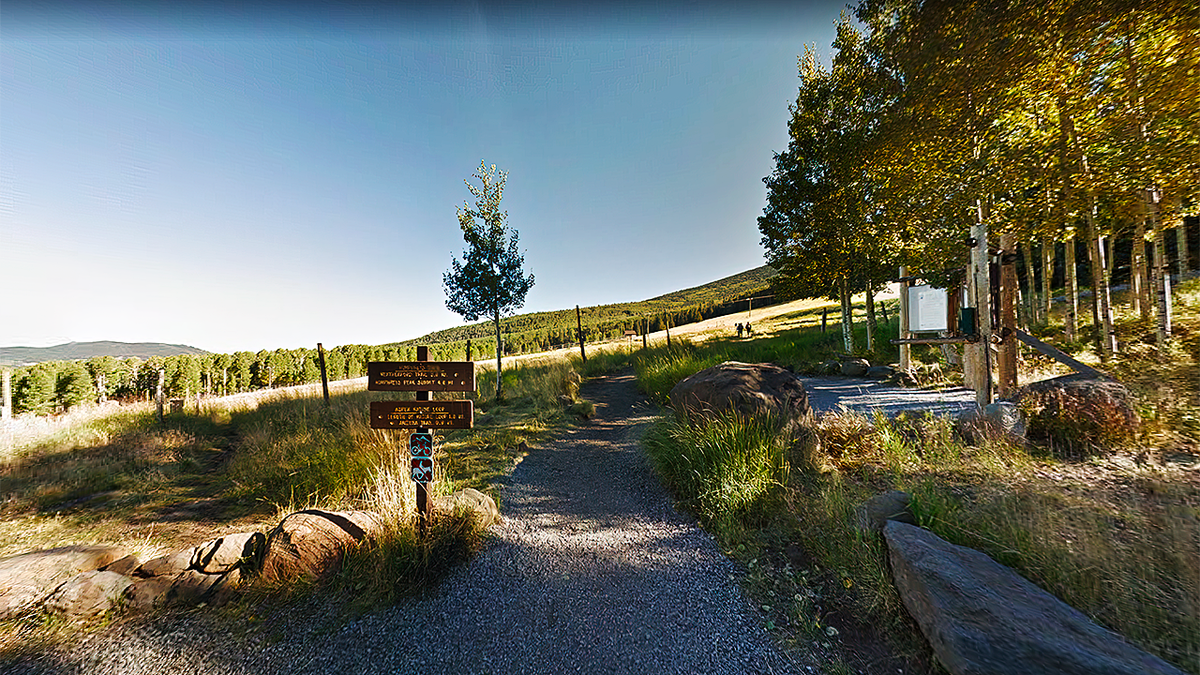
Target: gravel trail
591, 571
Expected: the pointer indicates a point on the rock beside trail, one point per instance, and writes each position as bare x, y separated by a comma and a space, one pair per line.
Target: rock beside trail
27, 579
225, 554
481, 506
88, 594
873, 514
880, 372
311, 543
751, 389
982, 618
1002, 419
1078, 413
855, 367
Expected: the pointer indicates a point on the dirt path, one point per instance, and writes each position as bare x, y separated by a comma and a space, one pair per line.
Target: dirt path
592, 571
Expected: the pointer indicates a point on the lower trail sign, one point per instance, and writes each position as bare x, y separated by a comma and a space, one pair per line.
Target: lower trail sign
421, 415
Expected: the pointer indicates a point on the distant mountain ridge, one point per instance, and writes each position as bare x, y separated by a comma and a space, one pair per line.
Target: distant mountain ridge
71, 351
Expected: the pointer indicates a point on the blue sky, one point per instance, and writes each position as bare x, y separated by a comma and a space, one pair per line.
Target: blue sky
289, 175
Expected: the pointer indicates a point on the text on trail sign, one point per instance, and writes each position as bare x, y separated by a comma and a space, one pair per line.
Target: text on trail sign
422, 414
420, 376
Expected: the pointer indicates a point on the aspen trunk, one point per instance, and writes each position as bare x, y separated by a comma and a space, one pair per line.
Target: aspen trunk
870, 318
1139, 300
847, 319
1181, 242
1028, 304
1072, 293
1105, 335
1162, 280
1047, 276
499, 380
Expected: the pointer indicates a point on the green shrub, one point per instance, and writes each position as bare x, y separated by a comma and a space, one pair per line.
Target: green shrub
726, 470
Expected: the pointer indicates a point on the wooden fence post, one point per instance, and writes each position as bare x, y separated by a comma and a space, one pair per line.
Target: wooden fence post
645, 333
1007, 358
579, 329
324, 375
158, 393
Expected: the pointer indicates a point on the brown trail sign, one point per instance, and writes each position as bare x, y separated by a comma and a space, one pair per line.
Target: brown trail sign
422, 414
421, 376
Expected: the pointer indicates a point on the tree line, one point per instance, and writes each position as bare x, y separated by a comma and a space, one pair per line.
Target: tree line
1069, 128
57, 386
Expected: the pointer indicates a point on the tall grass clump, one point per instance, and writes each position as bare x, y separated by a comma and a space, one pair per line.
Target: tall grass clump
401, 559
297, 452
728, 470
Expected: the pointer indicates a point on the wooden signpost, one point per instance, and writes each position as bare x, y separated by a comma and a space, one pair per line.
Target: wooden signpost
421, 376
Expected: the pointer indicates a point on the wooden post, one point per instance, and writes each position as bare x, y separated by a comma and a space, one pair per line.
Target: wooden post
645, 333
668, 336
977, 367
469, 358
824, 319
158, 393
905, 349
1007, 359
422, 491
579, 330
324, 375
6, 413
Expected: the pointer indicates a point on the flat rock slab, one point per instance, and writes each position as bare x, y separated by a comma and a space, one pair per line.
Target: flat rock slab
88, 594
982, 618
28, 578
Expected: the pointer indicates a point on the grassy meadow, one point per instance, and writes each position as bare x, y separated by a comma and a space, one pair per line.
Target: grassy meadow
114, 475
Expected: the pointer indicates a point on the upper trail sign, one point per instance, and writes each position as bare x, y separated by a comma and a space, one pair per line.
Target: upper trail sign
420, 376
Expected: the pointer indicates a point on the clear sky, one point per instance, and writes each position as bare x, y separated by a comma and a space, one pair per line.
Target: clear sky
288, 174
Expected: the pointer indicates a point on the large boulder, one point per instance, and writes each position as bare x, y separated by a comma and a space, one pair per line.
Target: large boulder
982, 618
311, 543
751, 389
88, 594
28, 578
480, 506
1078, 414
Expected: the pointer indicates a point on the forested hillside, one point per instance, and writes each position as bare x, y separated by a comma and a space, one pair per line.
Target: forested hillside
59, 385
73, 351
543, 330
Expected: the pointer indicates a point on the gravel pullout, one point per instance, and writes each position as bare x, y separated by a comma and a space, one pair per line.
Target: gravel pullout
591, 571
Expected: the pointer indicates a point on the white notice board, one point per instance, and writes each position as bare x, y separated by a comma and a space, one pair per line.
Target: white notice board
927, 308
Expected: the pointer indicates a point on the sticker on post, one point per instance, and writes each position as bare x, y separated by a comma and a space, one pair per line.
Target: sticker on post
422, 469
420, 445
